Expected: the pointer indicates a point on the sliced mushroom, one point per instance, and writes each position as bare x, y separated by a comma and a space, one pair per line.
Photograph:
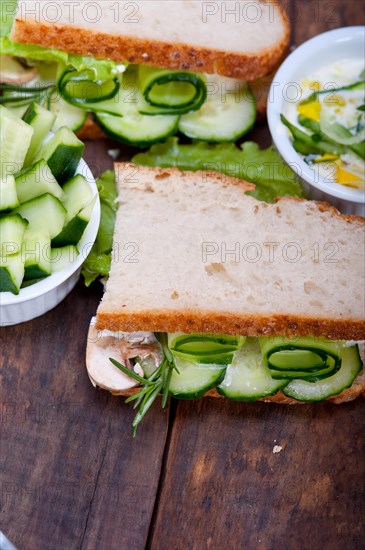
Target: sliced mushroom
13, 72
102, 372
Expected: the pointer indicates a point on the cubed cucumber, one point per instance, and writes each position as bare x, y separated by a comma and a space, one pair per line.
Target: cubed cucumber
44, 213
36, 250
15, 138
61, 258
41, 120
8, 194
11, 273
12, 229
74, 229
36, 181
62, 153
78, 194
67, 115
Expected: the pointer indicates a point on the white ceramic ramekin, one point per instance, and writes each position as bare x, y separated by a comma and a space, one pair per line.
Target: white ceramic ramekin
39, 298
326, 48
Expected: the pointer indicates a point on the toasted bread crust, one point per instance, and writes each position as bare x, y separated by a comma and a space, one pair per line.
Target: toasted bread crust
356, 390
156, 53
228, 323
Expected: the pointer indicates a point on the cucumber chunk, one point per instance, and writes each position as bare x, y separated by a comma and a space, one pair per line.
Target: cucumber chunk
194, 379
37, 180
12, 229
61, 258
8, 195
77, 195
67, 115
247, 378
15, 138
36, 250
11, 273
351, 365
44, 214
228, 113
41, 120
62, 153
74, 229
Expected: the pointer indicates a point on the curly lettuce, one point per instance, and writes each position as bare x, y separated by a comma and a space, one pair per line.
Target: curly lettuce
263, 167
97, 264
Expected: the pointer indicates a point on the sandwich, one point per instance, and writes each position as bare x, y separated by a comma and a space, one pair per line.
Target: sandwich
212, 292
145, 70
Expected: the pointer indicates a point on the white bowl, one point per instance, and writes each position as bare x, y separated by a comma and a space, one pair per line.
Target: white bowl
326, 48
39, 298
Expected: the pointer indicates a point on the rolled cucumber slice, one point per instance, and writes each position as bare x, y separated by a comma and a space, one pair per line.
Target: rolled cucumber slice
247, 378
12, 229
36, 180
15, 138
36, 251
45, 214
41, 120
11, 273
204, 347
132, 127
62, 153
8, 194
194, 379
228, 113
317, 391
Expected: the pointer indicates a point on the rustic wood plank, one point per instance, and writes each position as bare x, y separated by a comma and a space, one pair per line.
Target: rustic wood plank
222, 481
226, 488
71, 473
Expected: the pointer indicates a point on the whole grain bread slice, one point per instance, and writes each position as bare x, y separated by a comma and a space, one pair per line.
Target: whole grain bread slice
244, 40
194, 253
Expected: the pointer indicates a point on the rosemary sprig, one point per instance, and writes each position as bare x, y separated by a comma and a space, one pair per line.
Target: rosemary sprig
159, 381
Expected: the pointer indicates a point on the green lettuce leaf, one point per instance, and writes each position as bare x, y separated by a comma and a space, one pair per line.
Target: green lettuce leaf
101, 69
264, 167
98, 262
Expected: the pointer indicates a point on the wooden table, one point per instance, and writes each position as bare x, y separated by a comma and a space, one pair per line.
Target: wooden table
200, 475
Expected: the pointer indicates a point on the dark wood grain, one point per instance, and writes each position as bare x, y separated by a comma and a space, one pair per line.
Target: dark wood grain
72, 476
244, 495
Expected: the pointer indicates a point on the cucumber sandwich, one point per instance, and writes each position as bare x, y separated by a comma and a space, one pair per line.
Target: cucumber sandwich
144, 70
212, 292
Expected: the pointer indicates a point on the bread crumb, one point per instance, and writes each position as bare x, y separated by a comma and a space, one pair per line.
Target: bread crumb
277, 449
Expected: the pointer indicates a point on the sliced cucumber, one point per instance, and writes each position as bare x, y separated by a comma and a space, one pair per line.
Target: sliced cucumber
36, 251
62, 153
228, 113
36, 181
317, 391
67, 115
138, 130
15, 138
194, 379
61, 258
41, 120
11, 273
8, 194
247, 378
77, 195
130, 126
74, 229
12, 229
44, 213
